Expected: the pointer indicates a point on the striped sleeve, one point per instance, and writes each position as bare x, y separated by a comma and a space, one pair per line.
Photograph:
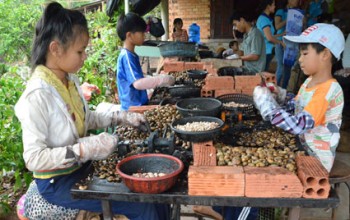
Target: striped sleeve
295, 124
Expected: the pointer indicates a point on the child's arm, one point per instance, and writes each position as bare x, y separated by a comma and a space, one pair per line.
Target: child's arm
270, 110
295, 124
153, 82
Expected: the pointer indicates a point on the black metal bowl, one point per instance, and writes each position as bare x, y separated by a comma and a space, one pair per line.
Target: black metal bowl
199, 107
198, 136
184, 91
197, 74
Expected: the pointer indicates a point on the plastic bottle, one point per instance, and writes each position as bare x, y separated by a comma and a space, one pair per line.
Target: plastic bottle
194, 33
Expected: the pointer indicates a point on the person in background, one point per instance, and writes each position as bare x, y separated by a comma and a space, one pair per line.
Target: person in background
314, 10
55, 119
179, 33
233, 48
315, 114
265, 25
131, 83
252, 49
283, 71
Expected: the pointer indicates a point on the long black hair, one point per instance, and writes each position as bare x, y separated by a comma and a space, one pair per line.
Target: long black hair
177, 21
58, 23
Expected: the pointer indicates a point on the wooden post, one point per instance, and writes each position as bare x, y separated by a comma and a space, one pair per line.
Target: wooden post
164, 11
127, 8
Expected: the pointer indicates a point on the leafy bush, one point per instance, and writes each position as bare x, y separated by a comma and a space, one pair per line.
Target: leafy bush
99, 68
18, 19
11, 147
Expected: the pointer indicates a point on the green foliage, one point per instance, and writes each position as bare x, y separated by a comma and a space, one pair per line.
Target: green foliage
18, 19
99, 68
11, 147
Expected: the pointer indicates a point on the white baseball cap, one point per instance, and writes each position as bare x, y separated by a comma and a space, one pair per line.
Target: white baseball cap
327, 35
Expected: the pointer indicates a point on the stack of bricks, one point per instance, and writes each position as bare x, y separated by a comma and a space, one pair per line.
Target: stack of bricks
215, 84
313, 176
205, 178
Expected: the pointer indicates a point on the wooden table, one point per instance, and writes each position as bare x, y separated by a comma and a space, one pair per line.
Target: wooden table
105, 191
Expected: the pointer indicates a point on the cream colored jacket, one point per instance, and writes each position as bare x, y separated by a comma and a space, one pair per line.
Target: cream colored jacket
49, 133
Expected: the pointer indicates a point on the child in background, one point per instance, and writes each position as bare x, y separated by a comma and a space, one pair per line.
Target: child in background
179, 34
131, 83
316, 112
233, 49
55, 119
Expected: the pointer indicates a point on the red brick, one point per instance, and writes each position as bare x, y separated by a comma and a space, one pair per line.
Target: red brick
314, 177
247, 81
142, 108
218, 82
248, 91
216, 181
221, 92
172, 66
207, 93
271, 182
204, 154
194, 66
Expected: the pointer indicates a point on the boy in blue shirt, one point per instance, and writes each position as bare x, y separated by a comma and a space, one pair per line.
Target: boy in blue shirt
131, 83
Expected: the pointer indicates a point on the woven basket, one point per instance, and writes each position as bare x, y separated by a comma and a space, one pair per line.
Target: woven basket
241, 99
178, 49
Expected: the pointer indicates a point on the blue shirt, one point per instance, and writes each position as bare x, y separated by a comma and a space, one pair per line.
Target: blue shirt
265, 21
283, 14
315, 10
128, 71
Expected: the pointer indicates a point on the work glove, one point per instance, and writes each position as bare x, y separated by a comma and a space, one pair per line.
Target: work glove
163, 80
264, 102
133, 119
97, 147
278, 92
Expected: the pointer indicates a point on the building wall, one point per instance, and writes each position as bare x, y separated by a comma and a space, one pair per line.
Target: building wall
191, 11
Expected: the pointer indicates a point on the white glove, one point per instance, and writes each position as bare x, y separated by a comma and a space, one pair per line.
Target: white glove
264, 102
164, 80
280, 93
97, 147
133, 119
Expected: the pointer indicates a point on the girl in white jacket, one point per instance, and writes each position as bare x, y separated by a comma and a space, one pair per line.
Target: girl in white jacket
55, 117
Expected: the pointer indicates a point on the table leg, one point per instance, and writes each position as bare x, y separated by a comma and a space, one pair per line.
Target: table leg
294, 213
107, 210
175, 212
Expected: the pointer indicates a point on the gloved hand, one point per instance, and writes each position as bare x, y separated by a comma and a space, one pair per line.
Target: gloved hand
133, 119
264, 101
97, 147
163, 80
280, 93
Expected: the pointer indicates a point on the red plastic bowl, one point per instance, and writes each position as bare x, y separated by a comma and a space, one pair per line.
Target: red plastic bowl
156, 163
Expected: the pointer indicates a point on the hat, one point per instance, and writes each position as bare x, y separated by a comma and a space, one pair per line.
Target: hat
327, 35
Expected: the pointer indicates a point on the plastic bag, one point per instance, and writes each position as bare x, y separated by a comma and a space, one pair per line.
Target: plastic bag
111, 7
156, 27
